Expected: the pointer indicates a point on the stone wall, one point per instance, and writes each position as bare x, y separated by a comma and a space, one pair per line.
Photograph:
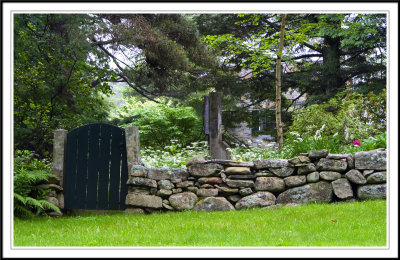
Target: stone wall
219, 185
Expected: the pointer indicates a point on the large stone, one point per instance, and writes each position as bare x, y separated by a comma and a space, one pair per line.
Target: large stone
205, 170
272, 184
356, 177
293, 181
214, 204
307, 168
240, 183
329, 176
336, 156
313, 192
210, 180
195, 160
138, 171
242, 177
256, 200
317, 154
183, 201
372, 160
377, 177
332, 165
282, 171
228, 191
342, 189
207, 192
139, 181
237, 170
142, 200
313, 177
167, 174
166, 185
230, 163
372, 191
299, 160
271, 163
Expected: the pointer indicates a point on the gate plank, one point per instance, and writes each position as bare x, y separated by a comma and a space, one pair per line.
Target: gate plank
115, 168
124, 175
82, 167
104, 164
93, 160
70, 178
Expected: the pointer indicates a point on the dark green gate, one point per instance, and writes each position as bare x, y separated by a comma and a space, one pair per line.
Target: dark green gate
96, 168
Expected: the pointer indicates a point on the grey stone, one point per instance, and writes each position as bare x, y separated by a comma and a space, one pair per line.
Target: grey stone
132, 141
242, 177
313, 177
184, 184
350, 161
245, 191
272, 184
313, 192
192, 189
195, 160
167, 174
153, 191
377, 177
165, 201
206, 186
372, 160
342, 189
332, 165
139, 190
317, 154
282, 171
237, 170
271, 163
256, 200
54, 180
356, 177
183, 201
234, 198
139, 181
54, 214
205, 170
309, 167
228, 191
239, 183
142, 200
264, 173
223, 176
176, 180
372, 191
367, 173
54, 187
60, 198
299, 160
293, 181
329, 176
214, 204
177, 190
210, 180
230, 163
167, 206
138, 171
164, 193
57, 166
207, 192
53, 200
52, 193
165, 185
134, 211
337, 156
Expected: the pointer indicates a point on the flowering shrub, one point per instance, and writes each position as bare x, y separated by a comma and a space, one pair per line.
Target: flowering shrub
357, 143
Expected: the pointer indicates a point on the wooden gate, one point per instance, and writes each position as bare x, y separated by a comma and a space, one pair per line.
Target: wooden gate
96, 168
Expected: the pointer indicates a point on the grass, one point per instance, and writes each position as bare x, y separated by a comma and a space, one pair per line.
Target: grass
359, 224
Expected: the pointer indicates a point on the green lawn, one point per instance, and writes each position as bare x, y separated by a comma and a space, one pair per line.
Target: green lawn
340, 224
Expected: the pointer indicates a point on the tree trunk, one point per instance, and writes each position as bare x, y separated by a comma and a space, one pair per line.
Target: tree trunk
279, 131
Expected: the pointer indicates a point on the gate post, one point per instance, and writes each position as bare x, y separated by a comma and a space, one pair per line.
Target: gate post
58, 165
132, 146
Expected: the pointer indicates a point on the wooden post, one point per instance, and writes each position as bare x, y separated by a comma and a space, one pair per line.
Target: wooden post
132, 146
58, 165
218, 148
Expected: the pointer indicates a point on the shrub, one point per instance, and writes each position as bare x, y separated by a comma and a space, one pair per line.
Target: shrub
29, 199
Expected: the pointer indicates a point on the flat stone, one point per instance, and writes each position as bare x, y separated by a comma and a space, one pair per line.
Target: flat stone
372, 191
183, 201
367, 173
177, 190
164, 193
228, 191
139, 190
242, 177
176, 180
240, 183
184, 184
272, 184
317, 154
134, 211
282, 171
167, 174
205, 170
372, 160
342, 189
206, 186
142, 200
234, 198
195, 160
313, 177
307, 168
54, 214
237, 170
138, 171
54, 187
332, 165
329, 176
207, 192
356, 177
293, 181
271, 163
192, 189
337, 156
230, 163
377, 177
313, 192
264, 173
139, 181
210, 180
245, 191
256, 200
167, 206
299, 160
165, 184
214, 204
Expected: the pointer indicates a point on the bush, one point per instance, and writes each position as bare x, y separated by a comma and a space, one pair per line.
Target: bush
29, 199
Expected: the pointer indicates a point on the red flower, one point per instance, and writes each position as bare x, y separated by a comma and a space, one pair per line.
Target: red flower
357, 143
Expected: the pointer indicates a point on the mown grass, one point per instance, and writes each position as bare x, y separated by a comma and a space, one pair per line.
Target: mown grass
358, 224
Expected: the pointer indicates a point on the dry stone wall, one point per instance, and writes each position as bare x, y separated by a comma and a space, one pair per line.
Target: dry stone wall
219, 185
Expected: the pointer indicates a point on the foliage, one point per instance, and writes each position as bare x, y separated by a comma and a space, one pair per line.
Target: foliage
160, 124
29, 199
